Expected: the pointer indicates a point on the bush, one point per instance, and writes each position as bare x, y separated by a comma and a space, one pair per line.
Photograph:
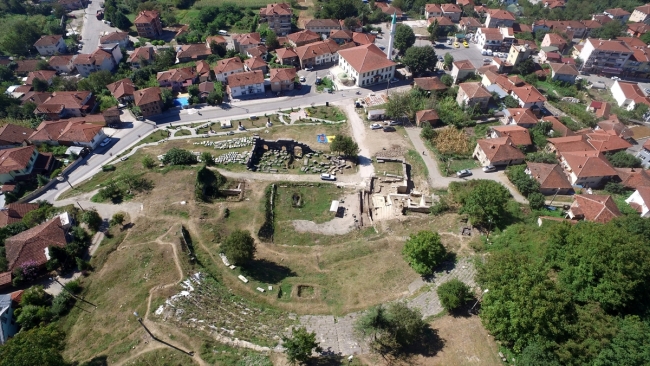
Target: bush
61, 304
239, 247
176, 156
427, 132
424, 251
117, 219
55, 173
524, 183
73, 286
440, 207
536, 201
453, 294
92, 219
615, 188
623, 159
108, 168
148, 162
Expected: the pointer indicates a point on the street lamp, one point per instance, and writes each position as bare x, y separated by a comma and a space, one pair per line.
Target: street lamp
479, 299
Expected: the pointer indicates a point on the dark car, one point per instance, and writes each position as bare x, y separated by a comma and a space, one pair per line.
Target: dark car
389, 129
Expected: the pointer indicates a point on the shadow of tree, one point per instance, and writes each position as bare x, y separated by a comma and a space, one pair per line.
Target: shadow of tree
266, 271
96, 361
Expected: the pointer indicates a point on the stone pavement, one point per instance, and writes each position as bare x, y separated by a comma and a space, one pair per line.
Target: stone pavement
336, 334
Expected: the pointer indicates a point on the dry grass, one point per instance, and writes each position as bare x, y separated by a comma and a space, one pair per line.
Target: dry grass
451, 141
465, 340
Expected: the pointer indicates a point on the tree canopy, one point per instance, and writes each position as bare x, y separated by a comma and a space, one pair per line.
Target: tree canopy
486, 202
420, 59
299, 347
346, 145
239, 247
404, 37
39, 346
424, 251
453, 294
623, 159
176, 156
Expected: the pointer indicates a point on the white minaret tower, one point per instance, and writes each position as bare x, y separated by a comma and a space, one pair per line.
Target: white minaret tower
389, 50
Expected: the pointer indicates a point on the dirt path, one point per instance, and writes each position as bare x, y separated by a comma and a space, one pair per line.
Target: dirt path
366, 170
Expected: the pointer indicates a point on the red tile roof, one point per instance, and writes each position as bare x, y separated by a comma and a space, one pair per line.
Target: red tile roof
276, 9
15, 212
146, 17
147, 96
529, 94
61, 60
114, 37
315, 49
609, 45
464, 65
474, 90
247, 39
633, 92
433, 8
48, 40
634, 177
595, 208
305, 36
426, 115
15, 159
363, 38
322, 23
284, 74
605, 142
255, 63
564, 69
284, 53
79, 132
121, 88
588, 164
5, 279
144, 53
549, 176
519, 135
246, 78
571, 143
501, 14
451, 8
176, 75
215, 39
615, 127
617, 12
500, 149
11, 134
30, 245
430, 83
558, 127
45, 75
202, 68
522, 116
193, 51
228, 64
366, 58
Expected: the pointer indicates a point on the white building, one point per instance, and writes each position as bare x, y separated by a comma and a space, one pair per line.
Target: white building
104, 58
640, 201
245, 83
628, 95
366, 64
50, 45
606, 56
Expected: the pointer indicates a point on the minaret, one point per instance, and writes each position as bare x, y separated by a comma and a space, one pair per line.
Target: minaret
393, 23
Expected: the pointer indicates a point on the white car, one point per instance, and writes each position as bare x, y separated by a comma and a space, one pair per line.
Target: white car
302, 79
489, 168
309, 68
615, 78
395, 123
375, 126
325, 176
105, 142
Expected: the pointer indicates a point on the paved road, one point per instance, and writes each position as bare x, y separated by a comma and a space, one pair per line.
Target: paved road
92, 28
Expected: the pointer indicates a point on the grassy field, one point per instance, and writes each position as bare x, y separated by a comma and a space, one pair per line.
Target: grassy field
323, 112
306, 202
388, 167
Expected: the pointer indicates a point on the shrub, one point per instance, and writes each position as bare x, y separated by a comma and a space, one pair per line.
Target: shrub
268, 227
92, 219
117, 219
176, 156
536, 201
55, 173
148, 162
239, 247
108, 168
424, 251
453, 294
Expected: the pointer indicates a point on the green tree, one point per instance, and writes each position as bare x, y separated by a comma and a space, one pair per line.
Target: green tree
339, 9
36, 296
40, 85
41, 346
541, 157
486, 202
148, 162
420, 59
404, 37
447, 79
120, 21
526, 66
167, 98
427, 133
117, 219
433, 31
424, 251
609, 30
630, 345
453, 294
92, 219
615, 188
207, 158
193, 91
216, 96
536, 201
299, 347
31, 316
391, 330
176, 156
623, 159
646, 37
96, 82
346, 145
524, 182
448, 60
19, 39
239, 247
272, 40
510, 102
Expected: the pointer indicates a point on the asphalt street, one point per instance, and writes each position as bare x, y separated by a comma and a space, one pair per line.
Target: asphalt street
92, 28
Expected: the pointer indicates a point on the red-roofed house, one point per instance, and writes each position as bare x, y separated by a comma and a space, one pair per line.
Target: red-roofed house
282, 79
16, 162
105, 58
551, 178
140, 57
318, 53
633, 178
193, 52
451, 11
120, 38
615, 127
68, 133
429, 116
432, 10
601, 109
518, 135
149, 101
593, 207
278, 17
227, 67
13, 135
587, 168
122, 90
522, 117
637, 29
31, 245
45, 75
641, 14
619, 14
528, 96
473, 93
628, 95
50, 45
203, 70
469, 25
366, 64
177, 79
62, 63
287, 56
219, 40
564, 72
462, 69
390, 10
303, 37
256, 63
640, 201
431, 84
341, 36
595, 51
242, 42
497, 152
245, 84
323, 26
66, 104
148, 24
497, 18
554, 40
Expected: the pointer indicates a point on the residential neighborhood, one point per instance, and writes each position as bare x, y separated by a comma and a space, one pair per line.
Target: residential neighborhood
282, 183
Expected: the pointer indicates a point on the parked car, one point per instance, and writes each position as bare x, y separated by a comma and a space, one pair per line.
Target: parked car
465, 44
449, 41
302, 79
105, 142
395, 123
463, 173
325, 176
456, 44
394, 80
124, 158
309, 68
489, 168
389, 129
615, 78
647, 91
327, 90
375, 126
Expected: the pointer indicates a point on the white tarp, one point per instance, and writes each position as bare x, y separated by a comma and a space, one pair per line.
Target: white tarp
335, 206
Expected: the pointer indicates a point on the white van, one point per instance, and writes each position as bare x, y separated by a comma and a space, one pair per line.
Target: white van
223, 33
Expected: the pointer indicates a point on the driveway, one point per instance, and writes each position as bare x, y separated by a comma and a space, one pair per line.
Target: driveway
366, 169
437, 181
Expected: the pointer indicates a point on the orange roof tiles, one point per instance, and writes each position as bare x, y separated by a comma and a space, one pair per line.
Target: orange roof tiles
284, 74
30, 245
549, 176
305, 36
519, 135
596, 208
634, 177
146, 17
474, 90
48, 40
228, 64
11, 134
276, 9
144, 53
529, 94
15, 159
522, 116
315, 49
147, 96
500, 149
429, 83
121, 88
366, 58
246, 78
588, 164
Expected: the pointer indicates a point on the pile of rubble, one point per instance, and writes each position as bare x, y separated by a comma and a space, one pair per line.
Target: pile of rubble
271, 160
395, 151
228, 144
233, 158
329, 164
